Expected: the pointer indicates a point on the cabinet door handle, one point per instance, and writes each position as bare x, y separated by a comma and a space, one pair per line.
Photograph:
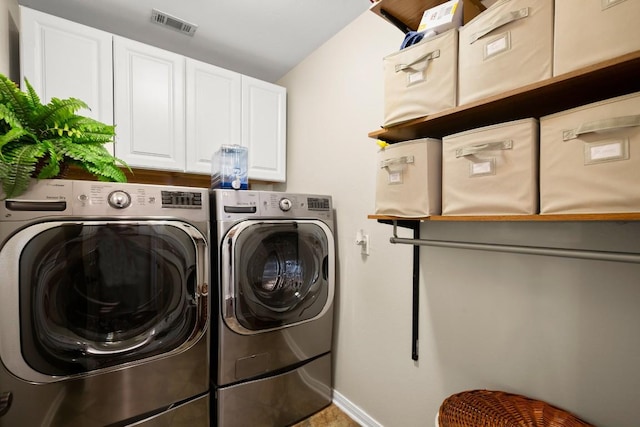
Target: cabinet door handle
5, 402
603, 125
489, 146
500, 22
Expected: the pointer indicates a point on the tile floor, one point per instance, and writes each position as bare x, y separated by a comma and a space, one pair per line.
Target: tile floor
331, 416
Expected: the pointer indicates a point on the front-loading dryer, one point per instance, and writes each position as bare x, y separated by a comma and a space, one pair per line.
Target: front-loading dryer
104, 305
274, 261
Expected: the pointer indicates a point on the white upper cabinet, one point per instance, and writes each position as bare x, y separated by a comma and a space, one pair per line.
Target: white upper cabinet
170, 112
149, 105
264, 128
213, 98
63, 59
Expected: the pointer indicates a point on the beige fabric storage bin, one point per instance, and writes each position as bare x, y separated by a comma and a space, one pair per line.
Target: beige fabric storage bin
590, 158
591, 31
408, 181
507, 46
421, 79
491, 170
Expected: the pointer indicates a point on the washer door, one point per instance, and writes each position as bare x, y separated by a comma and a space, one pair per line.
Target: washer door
280, 273
92, 295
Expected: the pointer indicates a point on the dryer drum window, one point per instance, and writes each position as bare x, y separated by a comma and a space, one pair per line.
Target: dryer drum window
98, 296
281, 273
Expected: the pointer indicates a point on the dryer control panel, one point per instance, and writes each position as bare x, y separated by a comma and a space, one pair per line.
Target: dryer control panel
234, 204
295, 205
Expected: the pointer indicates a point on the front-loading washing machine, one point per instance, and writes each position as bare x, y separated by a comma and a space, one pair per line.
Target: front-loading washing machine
274, 262
104, 305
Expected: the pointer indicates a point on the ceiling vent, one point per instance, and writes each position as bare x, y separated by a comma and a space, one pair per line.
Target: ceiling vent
172, 22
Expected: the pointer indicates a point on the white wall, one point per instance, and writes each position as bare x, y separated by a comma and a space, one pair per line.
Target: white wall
9, 45
560, 330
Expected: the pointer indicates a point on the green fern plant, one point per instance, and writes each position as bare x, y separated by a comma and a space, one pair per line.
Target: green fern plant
37, 139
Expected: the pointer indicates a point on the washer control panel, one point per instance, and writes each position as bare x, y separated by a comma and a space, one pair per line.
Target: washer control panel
54, 197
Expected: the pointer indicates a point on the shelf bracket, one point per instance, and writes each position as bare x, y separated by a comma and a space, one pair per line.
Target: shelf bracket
415, 299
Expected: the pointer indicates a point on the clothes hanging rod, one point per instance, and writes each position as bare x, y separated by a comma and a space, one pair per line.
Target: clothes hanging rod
528, 250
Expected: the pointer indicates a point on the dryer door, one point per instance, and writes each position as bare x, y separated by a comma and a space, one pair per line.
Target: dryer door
98, 294
280, 273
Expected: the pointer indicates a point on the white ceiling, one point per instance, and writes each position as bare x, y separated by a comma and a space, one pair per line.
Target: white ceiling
263, 39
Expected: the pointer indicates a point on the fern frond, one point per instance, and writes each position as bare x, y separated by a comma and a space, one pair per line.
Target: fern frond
57, 111
16, 181
90, 152
11, 95
94, 158
11, 136
50, 170
86, 130
20, 163
51, 166
9, 117
4, 171
17, 152
105, 172
32, 96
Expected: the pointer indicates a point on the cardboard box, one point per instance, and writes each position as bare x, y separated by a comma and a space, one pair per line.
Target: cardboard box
450, 14
590, 158
408, 179
588, 32
507, 46
421, 79
491, 170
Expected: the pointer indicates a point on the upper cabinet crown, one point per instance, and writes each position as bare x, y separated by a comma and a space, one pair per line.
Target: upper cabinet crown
171, 112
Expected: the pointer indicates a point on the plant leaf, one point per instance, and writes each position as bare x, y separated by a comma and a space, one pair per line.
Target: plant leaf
12, 135
107, 172
9, 117
10, 94
57, 111
20, 164
51, 168
32, 96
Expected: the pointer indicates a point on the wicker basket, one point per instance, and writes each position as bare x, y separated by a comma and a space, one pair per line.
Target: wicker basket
485, 408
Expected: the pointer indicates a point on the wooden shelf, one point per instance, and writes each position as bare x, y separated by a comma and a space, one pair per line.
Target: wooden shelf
406, 15
597, 82
631, 216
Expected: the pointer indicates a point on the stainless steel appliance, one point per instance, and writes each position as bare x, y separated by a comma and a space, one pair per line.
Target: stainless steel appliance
274, 262
104, 305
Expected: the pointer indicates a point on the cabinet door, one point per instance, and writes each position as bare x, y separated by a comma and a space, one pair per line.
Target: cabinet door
213, 112
264, 127
149, 105
63, 59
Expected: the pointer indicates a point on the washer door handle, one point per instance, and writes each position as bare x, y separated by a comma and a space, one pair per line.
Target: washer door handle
5, 402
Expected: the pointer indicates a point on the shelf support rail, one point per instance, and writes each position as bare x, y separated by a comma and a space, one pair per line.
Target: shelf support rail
628, 257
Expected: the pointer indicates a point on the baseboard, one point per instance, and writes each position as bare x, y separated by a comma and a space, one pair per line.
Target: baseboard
354, 412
